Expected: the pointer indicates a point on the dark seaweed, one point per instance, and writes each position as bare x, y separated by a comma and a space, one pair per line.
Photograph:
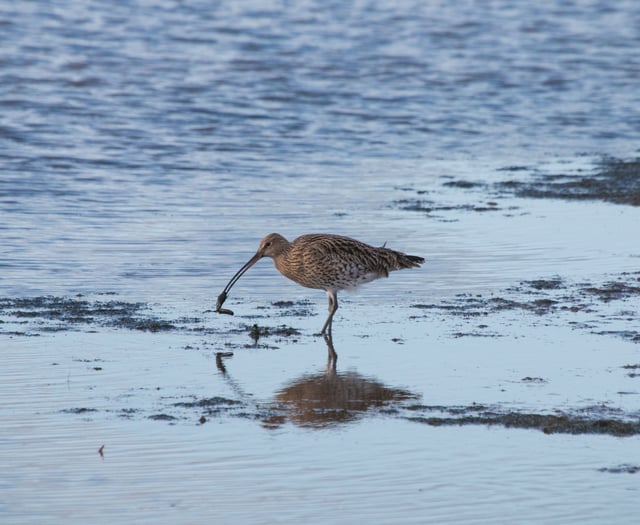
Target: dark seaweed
614, 180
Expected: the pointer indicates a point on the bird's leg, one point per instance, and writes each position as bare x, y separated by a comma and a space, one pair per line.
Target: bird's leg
333, 306
332, 357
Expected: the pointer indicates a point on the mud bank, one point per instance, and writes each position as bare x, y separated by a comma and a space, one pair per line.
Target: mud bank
55, 314
612, 302
33, 316
555, 296
611, 180
588, 420
333, 399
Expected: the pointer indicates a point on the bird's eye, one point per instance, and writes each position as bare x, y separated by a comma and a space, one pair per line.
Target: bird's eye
267, 244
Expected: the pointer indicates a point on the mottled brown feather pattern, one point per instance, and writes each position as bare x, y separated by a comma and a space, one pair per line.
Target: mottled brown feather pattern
334, 262
327, 262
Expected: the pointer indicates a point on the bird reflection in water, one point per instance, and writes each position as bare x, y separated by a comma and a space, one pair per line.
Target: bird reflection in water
331, 398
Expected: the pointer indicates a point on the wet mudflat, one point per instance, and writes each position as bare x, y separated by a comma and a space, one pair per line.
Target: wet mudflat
528, 369
332, 396
145, 149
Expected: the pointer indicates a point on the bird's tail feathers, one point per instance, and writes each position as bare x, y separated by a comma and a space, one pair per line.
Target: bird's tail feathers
398, 260
417, 261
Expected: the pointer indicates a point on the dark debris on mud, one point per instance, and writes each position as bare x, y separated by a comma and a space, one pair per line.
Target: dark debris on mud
613, 180
208, 408
33, 316
553, 296
590, 420
621, 469
545, 284
430, 207
634, 370
256, 332
614, 290
48, 313
311, 413
79, 410
293, 308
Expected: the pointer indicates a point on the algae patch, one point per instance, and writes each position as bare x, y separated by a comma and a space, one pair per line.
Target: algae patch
589, 420
51, 314
612, 180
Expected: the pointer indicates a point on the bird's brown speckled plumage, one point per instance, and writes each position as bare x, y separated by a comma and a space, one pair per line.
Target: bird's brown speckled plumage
328, 262
334, 262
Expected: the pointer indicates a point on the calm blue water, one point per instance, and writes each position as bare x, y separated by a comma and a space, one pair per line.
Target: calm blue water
146, 147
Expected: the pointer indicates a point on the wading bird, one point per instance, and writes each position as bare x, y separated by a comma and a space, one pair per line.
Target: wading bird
325, 262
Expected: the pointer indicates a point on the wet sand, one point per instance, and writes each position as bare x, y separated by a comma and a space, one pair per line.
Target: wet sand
146, 148
333, 397
491, 363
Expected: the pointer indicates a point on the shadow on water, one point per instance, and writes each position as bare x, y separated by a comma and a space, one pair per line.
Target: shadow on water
324, 399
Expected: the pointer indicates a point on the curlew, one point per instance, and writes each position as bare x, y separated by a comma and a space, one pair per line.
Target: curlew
325, 262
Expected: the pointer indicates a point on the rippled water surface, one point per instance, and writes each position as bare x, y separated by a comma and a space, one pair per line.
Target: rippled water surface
147, 147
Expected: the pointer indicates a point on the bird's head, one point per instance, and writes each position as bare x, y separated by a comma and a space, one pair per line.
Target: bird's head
272, 245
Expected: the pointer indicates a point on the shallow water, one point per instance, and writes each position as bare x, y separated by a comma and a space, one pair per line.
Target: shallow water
144, 151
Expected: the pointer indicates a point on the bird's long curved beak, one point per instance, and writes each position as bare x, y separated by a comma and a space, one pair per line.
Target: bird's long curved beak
223, 296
